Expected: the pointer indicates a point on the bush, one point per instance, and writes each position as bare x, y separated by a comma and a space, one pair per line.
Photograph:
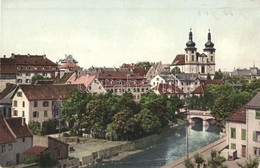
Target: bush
65, 134
35, 127
45, 160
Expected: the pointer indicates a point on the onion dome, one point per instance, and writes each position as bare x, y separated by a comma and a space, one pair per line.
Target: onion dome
190, 43
209, 44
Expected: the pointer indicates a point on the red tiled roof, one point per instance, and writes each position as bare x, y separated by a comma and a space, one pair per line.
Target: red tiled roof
118, 75
36, 150
62, 80
179, 60
141, 70
86, 80
49, 92
199, 90
32, 60
6, 135
7, 66
18, 129
70, 65
239, 115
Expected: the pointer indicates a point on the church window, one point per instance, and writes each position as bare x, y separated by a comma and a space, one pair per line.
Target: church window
186, 57
211, 58
192, 58
202, 69
211, 52
192, 52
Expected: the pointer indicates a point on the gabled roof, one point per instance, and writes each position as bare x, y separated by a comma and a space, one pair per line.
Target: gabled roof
254, 102
6, 135
36, 150
5, 95
199, 90
141, 70
86, 80
179, 60
118, 75
48, 92
186, 77
7, 66
62, 79
32, 60
238, 116
19, 127
167, 77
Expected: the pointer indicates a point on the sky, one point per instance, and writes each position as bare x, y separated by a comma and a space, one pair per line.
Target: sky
112, 32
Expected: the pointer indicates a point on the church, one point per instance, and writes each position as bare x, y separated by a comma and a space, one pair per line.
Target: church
192, 62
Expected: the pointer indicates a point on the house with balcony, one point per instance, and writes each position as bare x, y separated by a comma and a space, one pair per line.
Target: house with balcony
15, 139
40, 102
243, 130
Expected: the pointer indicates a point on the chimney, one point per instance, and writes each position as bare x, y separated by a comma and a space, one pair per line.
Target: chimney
12, 54
28, 55
23, 122
4, 56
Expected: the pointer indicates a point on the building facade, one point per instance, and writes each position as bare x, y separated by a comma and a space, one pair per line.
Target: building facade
243, 130
194, 62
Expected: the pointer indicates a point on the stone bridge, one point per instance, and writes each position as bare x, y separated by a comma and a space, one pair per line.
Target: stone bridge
205, 116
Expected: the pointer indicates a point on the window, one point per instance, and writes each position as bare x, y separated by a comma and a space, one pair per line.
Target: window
27, 74
256, 136
202, 69
211, 58
233, 146
19, 94
19, 81
23, 114
10, 147
27, 81
233, 133
256, 151
35, 114
15, 113
15, 103
3, 148
243, 134
192, 58
45, 104
35, 104
257, 114
23, 139
45, 113
23, 104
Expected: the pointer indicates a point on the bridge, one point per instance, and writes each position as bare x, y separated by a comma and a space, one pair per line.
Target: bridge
205, 116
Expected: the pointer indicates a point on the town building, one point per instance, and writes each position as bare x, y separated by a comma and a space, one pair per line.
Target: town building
5, 99
194, 62
15, 139
19, 69
243, 130
68, 64
251, 73
40, 102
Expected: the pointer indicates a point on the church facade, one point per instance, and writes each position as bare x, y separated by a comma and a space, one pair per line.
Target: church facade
193, 62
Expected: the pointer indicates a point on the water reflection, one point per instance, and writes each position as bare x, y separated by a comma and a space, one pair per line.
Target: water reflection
171, 147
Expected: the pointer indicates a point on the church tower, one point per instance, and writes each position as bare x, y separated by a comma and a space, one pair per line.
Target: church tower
190, 55
209, 50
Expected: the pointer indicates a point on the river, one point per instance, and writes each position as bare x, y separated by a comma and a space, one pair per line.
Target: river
171, 146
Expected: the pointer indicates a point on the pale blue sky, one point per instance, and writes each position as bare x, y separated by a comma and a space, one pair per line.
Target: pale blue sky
112, 32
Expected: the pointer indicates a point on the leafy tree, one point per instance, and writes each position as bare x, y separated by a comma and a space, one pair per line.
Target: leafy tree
35, 127
198, 159
251, 163
175, 70
45, 160
74, 109
49, 127
188, 163
216, 161
218, 74
144, 64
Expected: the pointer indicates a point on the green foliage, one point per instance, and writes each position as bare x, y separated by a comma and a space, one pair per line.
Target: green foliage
144, 64
251, 163
188, 163
45, 160
175, 70
198, 159
28, 159
37, 77
49, 127
218, 74
216, 161
35, 127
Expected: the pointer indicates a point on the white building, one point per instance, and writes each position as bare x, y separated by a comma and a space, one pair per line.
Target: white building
194, 62
40, 102
15, 139
243, 130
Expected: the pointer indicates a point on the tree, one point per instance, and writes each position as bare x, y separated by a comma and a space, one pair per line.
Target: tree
74, 109
175, 70
216, 161
251, 163
218, 74
144, 64
188, 163
35, 127
45, 160
198, 159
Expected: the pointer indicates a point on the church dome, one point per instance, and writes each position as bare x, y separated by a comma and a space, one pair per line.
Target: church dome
209, 44
190, 43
